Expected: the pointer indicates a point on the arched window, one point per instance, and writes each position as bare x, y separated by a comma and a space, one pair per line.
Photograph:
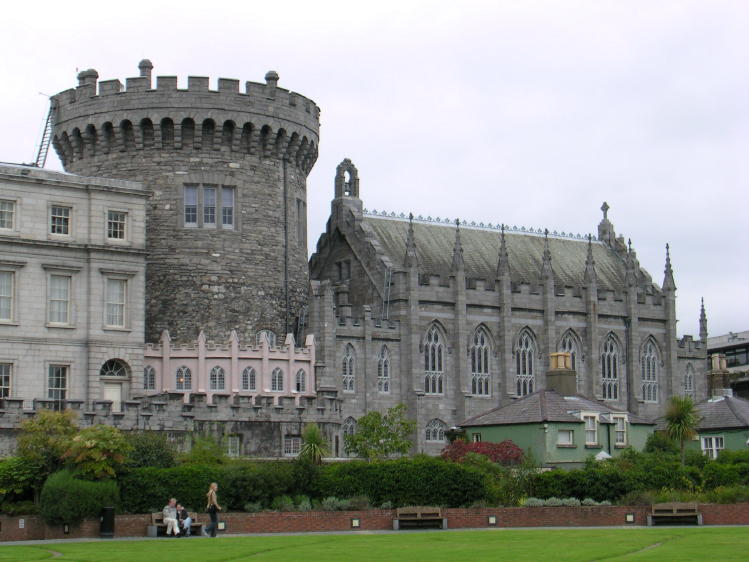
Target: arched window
383, 371
610, 369
249, 379
568, 344
433, 362
149, 378
524, 363
348, 369
349, 426
276, 380
184, 378
114, 368
479, 353
435, 430
301, 381
649, 372
266, 335
218, 379
689, 381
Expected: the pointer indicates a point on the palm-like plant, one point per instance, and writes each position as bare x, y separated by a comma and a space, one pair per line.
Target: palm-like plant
681, 420
315, 446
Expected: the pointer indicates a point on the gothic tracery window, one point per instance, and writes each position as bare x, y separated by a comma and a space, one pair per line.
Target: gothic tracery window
479, 354
689, 382
249, 379
348, 367
383, 371
276, 380
524, 363
217, 379
610, 369
435, 430
433, 362
649, 372
301, 381
184, 378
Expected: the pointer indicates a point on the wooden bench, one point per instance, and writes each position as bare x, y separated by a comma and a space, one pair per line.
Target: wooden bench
419, 517
675, 513
157, 527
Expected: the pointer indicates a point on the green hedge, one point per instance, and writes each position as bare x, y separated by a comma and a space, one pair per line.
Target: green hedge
66, 499
148, 489
419, 481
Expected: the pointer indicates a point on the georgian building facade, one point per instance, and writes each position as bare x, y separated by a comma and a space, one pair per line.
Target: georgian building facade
454, 319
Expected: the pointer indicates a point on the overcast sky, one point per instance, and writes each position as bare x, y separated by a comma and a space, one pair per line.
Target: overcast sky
528, 113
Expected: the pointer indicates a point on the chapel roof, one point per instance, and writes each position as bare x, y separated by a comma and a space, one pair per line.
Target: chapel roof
435, 242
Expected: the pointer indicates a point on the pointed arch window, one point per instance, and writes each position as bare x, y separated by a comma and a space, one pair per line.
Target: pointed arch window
383, 371
435, 431
301, 381
689, 382
525, 364
276, 380
348, 367
217, 378
649, 372
569, 345
610, 362
184, 378
479, 354
249, 379
266, 335
349, 426
433, 362
149, 378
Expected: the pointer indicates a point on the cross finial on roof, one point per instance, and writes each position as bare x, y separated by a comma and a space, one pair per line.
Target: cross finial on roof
605, 208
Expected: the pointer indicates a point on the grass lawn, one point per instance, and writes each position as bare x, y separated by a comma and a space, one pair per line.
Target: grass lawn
685, 543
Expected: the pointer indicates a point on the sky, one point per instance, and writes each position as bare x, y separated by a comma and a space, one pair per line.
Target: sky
525, 113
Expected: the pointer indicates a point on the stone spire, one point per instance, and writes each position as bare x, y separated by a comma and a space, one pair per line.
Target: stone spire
503, 260
631, 266
546, 270
411, 259
458, 262
590, 263
703, 321
668, 277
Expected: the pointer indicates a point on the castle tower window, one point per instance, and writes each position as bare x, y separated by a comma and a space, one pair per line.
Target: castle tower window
184, 378
610, 369
349, 426
301, 381
249, 379
435, 431
217, 379
149, 378
569, 345
191, 205
433, 362
689, 381
524, 364
649, 372
209, 206
348, 369
276, 383
479, 354
383, 371
227, 207
167, 133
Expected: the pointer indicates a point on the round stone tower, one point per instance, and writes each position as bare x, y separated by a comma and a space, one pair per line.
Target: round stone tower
227, 170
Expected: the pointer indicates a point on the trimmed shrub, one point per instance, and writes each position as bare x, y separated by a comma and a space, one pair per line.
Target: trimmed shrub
533, 502
66, 499
282, 503
591, 502
303, 503
148, 489
253, 507
150, 448
728, 494
259, 482
636, 497
359, 502
334, 504
571, 502
19, 508
552, 502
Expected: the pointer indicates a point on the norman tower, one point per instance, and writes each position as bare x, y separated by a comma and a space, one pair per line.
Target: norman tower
226, 220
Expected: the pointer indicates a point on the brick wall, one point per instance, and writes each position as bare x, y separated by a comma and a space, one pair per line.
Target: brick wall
375, 520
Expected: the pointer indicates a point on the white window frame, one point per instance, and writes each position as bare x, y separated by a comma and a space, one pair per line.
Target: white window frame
569, 442
125, 226
249, 375
590, 430
68, 320
709, 445
621, 430
149, 378
476, 438
13, 211
70, 220
12, 270
111, 308
300, 381
276, 380
224, 223
292, 445
6, 372
63, 389
183, 383
217, 379
221, 215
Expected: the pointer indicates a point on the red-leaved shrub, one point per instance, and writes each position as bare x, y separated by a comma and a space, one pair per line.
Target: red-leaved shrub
505, 453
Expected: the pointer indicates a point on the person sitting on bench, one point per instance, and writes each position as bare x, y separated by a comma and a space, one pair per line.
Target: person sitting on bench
170, 518
185, 521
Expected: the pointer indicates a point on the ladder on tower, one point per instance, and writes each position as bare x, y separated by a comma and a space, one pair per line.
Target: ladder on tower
41, 155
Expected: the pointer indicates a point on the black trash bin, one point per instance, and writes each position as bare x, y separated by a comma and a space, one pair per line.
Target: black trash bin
107, 523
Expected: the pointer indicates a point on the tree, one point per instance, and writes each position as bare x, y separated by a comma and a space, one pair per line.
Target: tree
43, 440
97, 452
315, 446
150, 448
681, 421
379, 436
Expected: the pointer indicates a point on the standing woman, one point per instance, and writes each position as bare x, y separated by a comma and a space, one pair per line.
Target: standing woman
213, 509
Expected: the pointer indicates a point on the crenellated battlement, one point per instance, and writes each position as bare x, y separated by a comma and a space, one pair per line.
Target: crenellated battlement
100, 118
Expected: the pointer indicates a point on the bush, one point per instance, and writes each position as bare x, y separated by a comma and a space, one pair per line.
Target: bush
19, 508
148, 489
728, 494
282, 503
334, 504
552, 502
150, 448
505, 453
533, 502
303, 503
660, 442
359, 502
387, 505
260, 482
571, 502
97, 452
253, 507
589, 502
17, 478
66, 499
637, 497
205, 449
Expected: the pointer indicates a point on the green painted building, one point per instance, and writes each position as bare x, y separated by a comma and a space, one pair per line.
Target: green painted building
724, 424
561, 430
